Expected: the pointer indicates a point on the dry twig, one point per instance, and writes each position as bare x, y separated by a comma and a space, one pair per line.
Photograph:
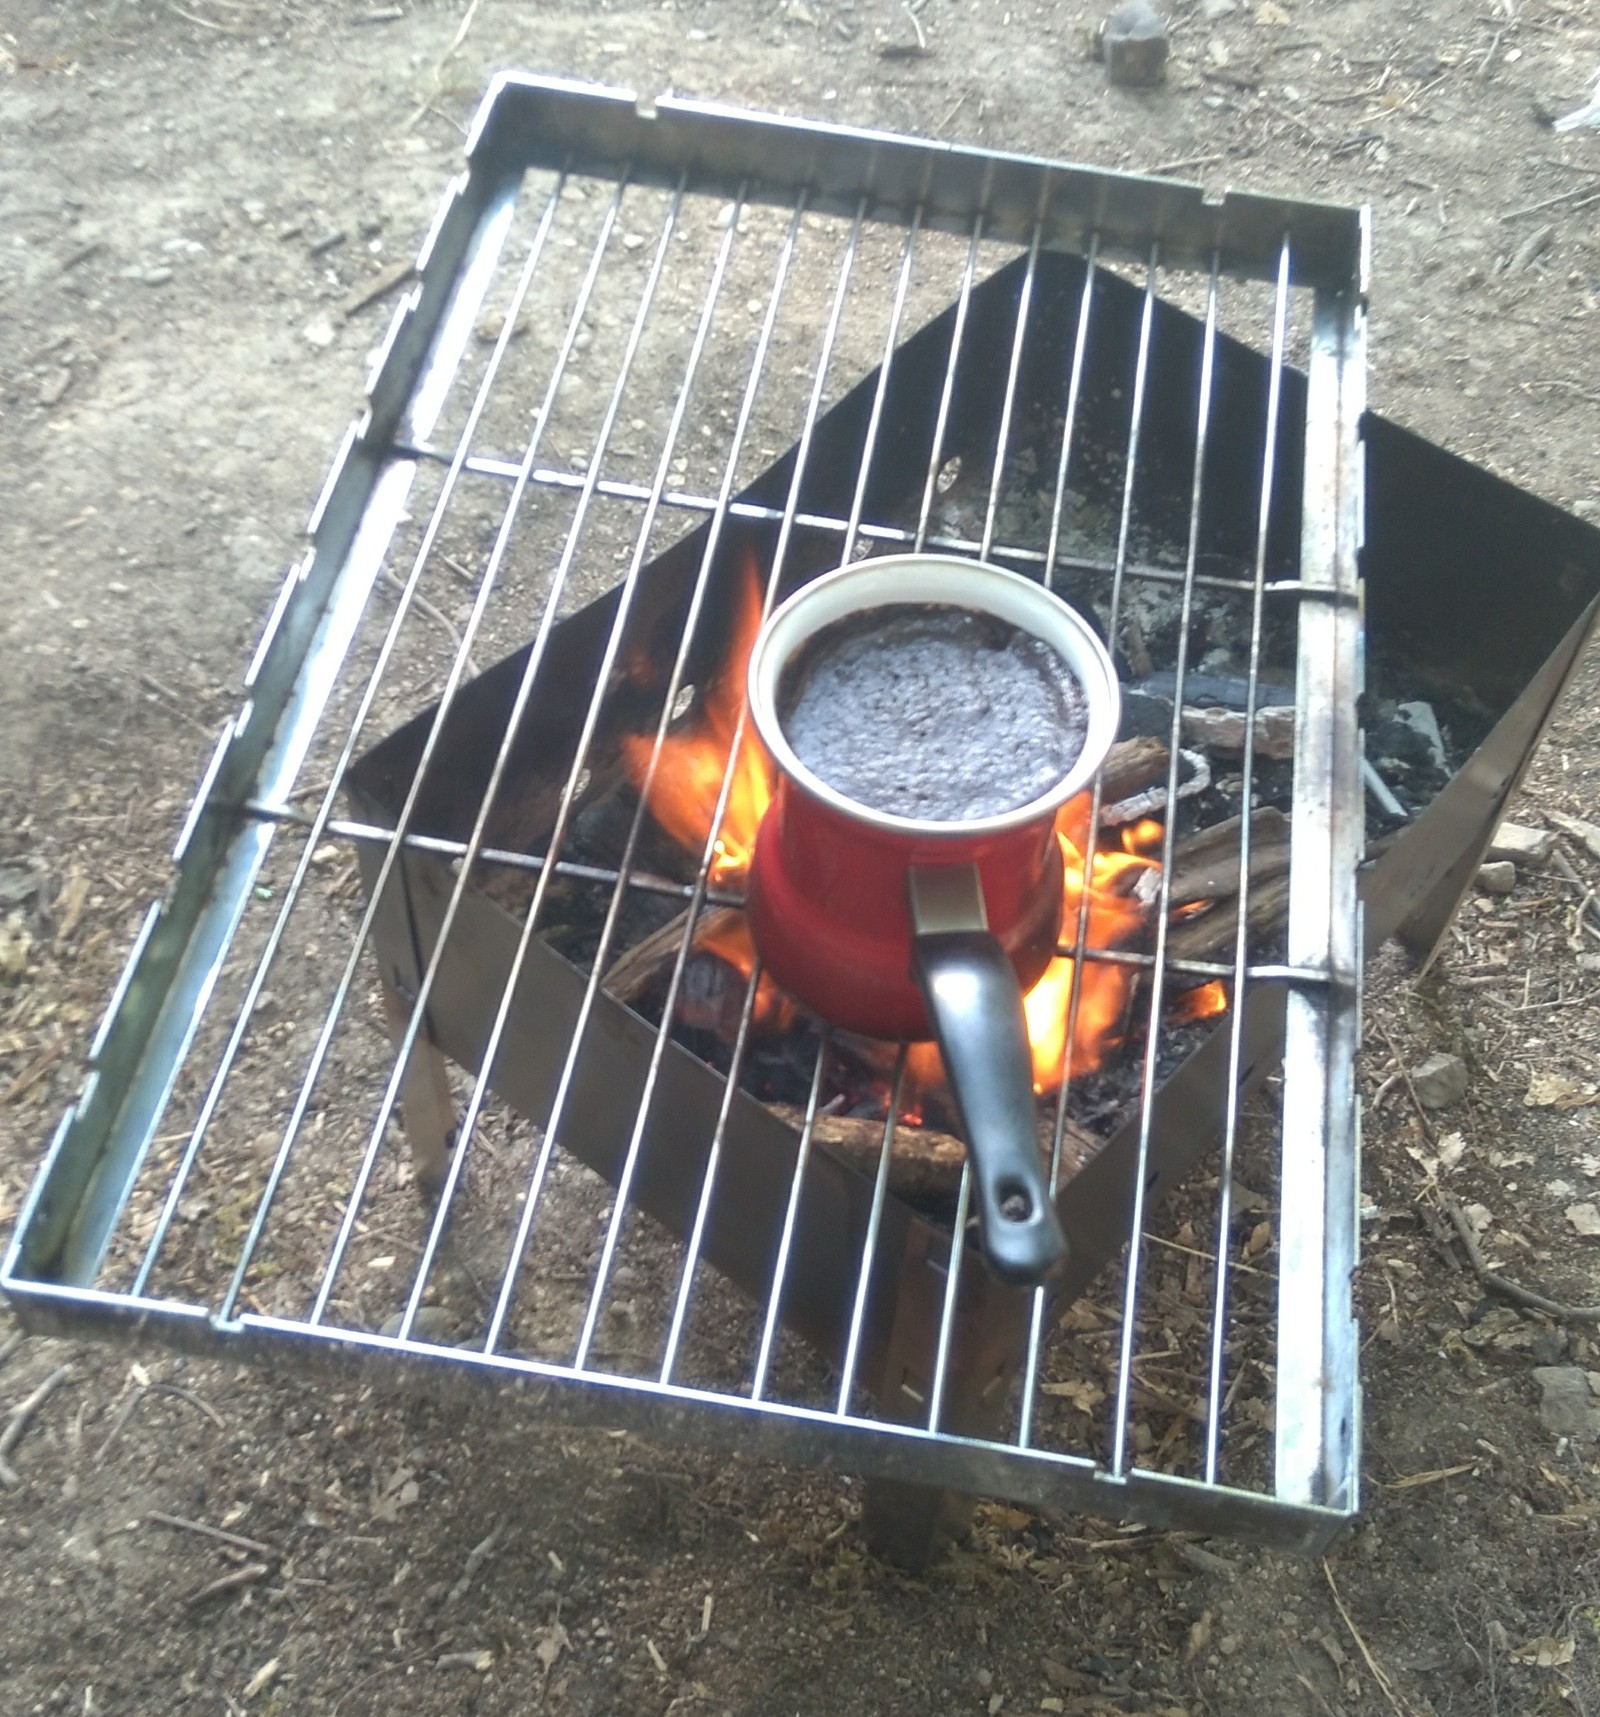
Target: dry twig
476, 1557
444, 60
21, 1417
237, 1581
1498, 1284
1397, 1704
1429, 1131
235, 1540
436, 615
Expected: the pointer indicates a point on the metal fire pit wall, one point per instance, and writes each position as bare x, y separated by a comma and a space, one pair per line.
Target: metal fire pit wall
622, 314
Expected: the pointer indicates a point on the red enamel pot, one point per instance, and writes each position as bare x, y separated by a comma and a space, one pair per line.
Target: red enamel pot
905, 929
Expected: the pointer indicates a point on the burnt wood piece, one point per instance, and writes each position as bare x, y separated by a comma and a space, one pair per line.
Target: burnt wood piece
1210, 935
1206, 865
632, 975
1131, 765
925, 1165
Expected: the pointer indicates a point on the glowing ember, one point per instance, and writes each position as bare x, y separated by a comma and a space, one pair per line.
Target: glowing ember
689, 776
1143, 837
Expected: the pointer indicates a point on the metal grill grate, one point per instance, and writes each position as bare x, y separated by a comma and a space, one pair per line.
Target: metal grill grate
630, 322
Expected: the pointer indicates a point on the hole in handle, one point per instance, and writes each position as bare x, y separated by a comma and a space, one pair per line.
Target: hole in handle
1014, 1200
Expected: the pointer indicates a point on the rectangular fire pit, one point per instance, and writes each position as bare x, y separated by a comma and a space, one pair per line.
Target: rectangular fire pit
449, 1052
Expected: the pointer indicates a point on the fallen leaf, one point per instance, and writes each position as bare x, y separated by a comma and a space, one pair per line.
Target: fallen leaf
1546, 1652
1452, 1147
14, 945
1083, 1395
1260, 1239
1585, 1218
1199, 1637
74, 896
1551, 1090
551, 1643
1268, 13
1479, 1215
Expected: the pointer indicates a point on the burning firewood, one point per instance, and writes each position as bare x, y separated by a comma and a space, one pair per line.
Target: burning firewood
632, 975
925, 1165
1205, 868
1206, 865
1131, 765
1210, 935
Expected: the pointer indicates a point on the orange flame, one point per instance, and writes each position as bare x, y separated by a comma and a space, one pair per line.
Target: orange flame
689, 776
688, 783
683, 799
730, 941
1206, 1002
1113, 920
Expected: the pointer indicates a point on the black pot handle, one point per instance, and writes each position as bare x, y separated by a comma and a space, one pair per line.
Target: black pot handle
971, 990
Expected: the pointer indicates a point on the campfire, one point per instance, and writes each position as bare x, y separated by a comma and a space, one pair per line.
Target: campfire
709, 784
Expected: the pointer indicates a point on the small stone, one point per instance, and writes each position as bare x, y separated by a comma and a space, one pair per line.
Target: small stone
1133, 43
318, 334
326, 241
1522, 845
1585, 1218
1548, 1347
1497, 877
1567, 1407
1212, 10
254, 210
53, 385
155, 276
17, 885
633, 241
1440, 1081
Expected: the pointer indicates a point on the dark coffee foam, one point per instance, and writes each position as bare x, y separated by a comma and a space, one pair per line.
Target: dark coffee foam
935, 713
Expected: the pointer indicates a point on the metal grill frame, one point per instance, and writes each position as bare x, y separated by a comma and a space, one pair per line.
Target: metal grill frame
1311, 997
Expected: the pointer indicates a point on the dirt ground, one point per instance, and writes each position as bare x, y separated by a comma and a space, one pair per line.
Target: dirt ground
175, 372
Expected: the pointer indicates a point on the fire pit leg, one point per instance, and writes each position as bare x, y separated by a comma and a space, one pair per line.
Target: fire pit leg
913, 1524
427, 1110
